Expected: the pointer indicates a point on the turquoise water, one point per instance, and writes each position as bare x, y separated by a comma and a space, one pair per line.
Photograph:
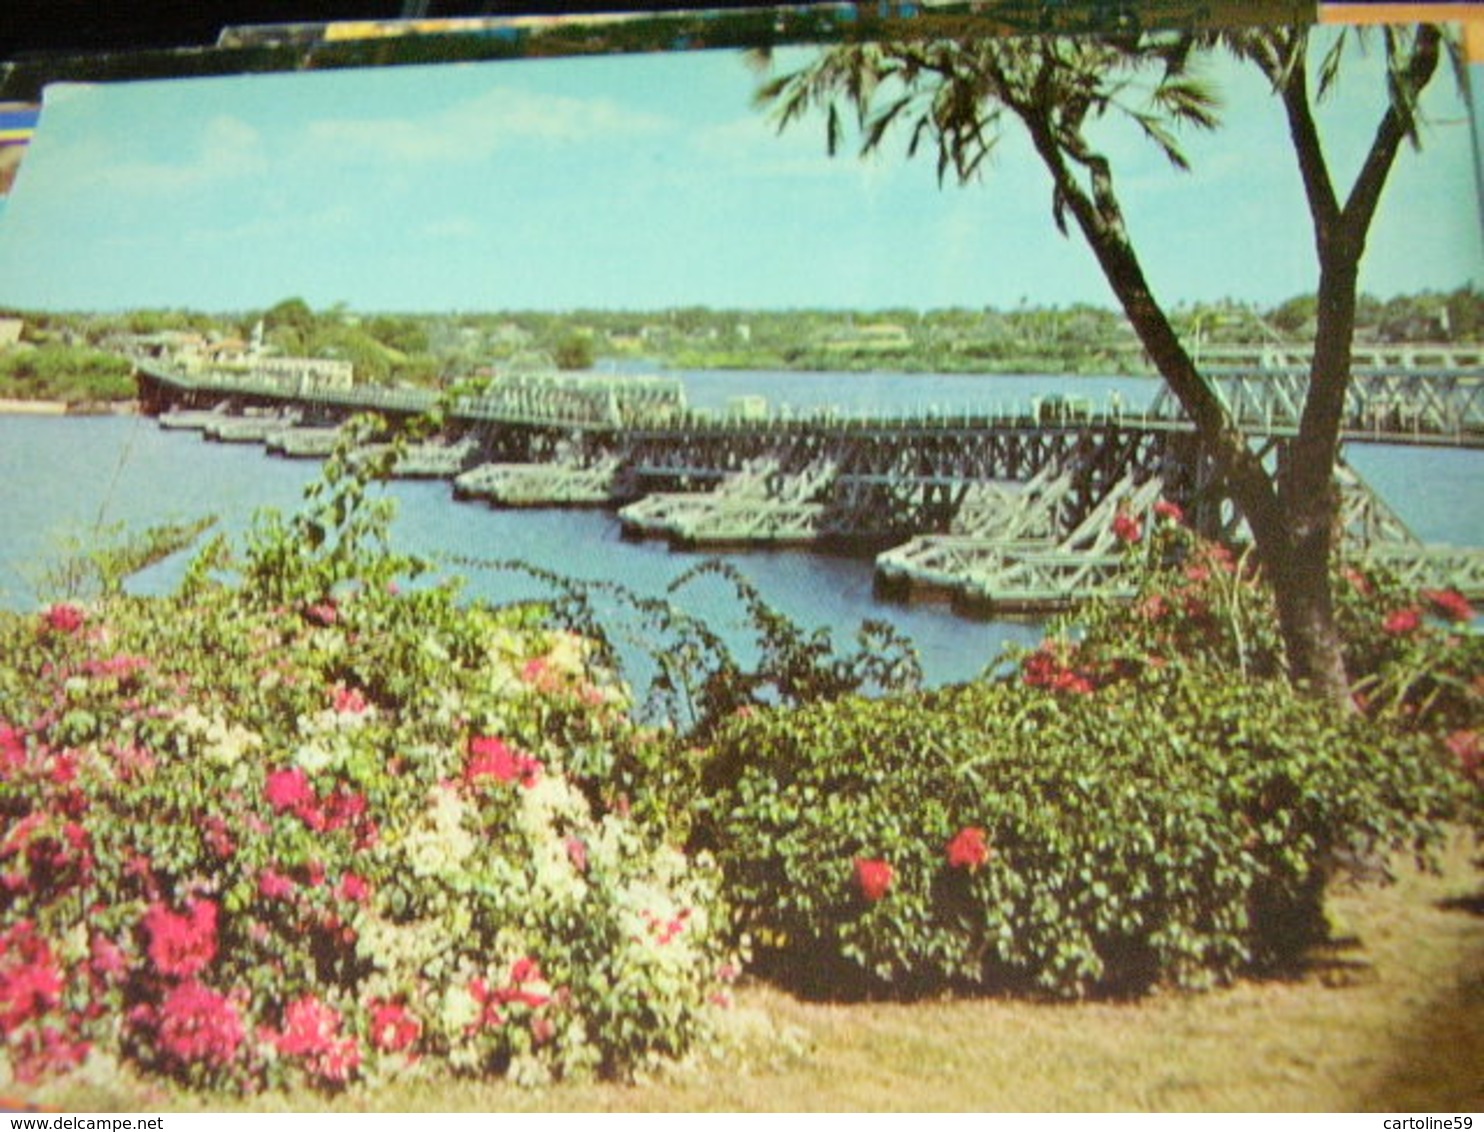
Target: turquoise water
66, 478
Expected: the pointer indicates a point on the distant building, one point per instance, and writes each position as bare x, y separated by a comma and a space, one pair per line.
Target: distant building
303, 374
10, 332
228, 353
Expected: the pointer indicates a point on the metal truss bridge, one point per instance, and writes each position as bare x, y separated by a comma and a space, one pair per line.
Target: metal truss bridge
997, 512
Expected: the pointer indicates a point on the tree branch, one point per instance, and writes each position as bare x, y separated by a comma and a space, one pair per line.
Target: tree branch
1292, 83
1396, 126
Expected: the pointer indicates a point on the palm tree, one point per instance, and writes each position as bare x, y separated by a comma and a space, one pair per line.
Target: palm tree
957, 96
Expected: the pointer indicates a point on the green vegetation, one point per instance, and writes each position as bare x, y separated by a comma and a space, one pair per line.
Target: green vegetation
296, 827
443, 349
314, 824
74, 374
962, 94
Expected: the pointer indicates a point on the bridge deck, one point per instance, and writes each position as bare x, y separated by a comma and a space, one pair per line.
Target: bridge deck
1007, 510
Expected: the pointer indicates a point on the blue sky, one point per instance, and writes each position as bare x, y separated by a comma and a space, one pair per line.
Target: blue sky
643, 182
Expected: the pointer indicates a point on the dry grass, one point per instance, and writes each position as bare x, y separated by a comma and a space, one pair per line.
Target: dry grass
1393, 1021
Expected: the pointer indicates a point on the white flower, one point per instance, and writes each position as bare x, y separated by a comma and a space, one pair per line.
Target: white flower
440, 844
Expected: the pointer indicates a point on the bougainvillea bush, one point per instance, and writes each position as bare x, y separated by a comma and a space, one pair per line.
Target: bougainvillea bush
297, 826
1141, 800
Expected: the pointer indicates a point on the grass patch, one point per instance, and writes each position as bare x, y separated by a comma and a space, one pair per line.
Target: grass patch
1391, 1018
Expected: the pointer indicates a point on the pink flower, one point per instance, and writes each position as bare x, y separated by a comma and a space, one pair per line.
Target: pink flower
289, 790
969, 849
392, 1028
1450, 605
311, 1031
874, 877
322, 613
354, 889
340, 1061
1127, 528
197, 1024
543, 1029
349, 701
274, 885
63, 618
44, 1052
181, 945
107, 959
577, 853
309, 1027
1402, 621
494, 758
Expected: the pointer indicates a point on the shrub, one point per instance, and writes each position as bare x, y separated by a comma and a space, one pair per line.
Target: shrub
1157, 830
1140, 800
315, 827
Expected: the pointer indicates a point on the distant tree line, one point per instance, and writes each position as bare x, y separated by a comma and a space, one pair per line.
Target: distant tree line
425, 349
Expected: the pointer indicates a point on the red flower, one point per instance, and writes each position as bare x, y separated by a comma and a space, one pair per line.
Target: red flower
969, 849
1403, 621
274, 885
1045, 669
1450, 605
489, 1008
12, 750
1171, 511
197, 1024
353, 888
874, 876
344, 808
63, 618
525, 970
181, 945
217, 836
392, 1028
1468, 748
494, 758
1127, 528
30, 980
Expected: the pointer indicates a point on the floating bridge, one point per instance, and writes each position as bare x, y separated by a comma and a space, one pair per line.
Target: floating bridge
997, 512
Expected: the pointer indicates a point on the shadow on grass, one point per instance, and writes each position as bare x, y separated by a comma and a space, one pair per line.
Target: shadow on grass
1473, 905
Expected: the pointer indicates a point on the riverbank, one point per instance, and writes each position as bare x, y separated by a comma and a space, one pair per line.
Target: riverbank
18, 407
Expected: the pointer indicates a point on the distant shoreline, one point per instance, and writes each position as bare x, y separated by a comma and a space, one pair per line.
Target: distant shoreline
16, 407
